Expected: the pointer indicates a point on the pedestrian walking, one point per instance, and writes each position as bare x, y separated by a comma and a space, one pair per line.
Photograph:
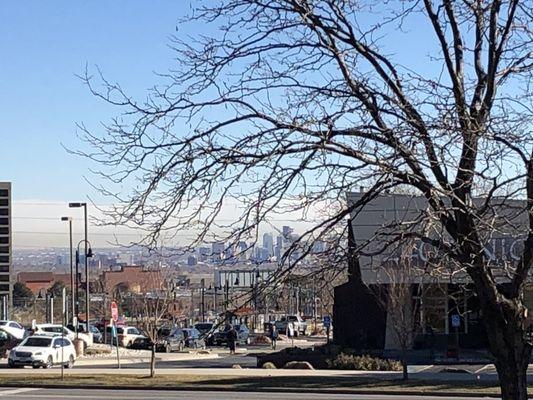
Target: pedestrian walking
290, 327
232, 338
273, 336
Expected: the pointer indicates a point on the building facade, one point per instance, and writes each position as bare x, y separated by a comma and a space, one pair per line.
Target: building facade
6, 287
40, 282
443, 307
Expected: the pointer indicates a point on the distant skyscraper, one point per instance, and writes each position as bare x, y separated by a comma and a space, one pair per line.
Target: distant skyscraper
268, 243
278, 251
287, 234
217, 250
6, 288
204, 253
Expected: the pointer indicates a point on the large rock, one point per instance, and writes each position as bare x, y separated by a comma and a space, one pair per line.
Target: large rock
298, 365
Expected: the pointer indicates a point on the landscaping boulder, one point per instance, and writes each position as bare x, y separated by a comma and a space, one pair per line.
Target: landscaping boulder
298, 365
262, 339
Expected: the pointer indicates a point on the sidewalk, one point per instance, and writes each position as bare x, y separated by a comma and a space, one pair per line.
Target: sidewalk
131, 359
145, 359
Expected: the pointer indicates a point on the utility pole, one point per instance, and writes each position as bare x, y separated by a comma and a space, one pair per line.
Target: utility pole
202, 283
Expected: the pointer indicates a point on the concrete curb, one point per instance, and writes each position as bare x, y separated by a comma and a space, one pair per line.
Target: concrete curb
135, 360
182, 388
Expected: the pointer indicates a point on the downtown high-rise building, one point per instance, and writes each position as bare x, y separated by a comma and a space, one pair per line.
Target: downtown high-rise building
268, 243
6, 288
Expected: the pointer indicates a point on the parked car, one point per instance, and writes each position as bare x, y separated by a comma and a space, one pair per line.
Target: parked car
170, 339
56, 329
127, 335
43, 351
193, 338
300, 326
141, 343
207, 331
97, 335
243, 335
7, 342
14, 328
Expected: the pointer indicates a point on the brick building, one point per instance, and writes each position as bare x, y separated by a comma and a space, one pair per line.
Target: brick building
37, 281
132, 278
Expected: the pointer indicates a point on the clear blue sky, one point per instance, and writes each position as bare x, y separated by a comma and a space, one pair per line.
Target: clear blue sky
43, 45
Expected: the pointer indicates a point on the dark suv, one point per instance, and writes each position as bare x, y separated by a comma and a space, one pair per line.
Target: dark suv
243, 335
207, 331
193, 338
170, 339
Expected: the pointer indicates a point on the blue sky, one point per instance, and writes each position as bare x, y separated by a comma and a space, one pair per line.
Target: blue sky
43, 45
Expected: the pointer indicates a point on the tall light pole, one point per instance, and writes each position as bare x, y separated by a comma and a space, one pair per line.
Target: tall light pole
84, 205
69, 219
202, 282
88, 253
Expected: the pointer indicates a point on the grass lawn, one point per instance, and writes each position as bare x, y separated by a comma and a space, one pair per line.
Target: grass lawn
202, 382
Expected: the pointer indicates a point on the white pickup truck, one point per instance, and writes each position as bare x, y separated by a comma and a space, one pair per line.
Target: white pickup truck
300, 326
57, 329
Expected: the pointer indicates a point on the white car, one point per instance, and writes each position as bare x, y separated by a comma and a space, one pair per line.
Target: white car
127, 335
43, 351
14, 328
56, 329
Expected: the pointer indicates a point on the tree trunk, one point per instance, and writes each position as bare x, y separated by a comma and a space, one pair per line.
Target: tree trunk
152, 362
511, 351
405, 374
513, 380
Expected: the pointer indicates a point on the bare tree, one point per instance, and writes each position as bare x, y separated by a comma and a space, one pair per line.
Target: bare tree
293, 103
401, 278
151, 309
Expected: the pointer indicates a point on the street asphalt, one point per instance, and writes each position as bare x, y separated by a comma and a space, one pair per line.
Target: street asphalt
30, 394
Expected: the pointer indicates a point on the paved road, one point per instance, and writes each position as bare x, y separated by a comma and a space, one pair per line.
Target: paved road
30, 394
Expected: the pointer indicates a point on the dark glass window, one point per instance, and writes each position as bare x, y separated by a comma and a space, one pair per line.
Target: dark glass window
4, 268
4, 202
4, 259
4, 240
4, 211
4, 249
4, 288
4, 221
4, 193
4, 278
4, 230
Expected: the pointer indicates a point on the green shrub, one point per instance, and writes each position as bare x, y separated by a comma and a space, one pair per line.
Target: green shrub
363, 363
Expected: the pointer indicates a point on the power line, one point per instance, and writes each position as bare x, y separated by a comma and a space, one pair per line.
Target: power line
91, 234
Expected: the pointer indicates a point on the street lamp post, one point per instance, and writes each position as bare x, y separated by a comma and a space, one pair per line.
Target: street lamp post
69, 219
84, 205
88, 253
203, 299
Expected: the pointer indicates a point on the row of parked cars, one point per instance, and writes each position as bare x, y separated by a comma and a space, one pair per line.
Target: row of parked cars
171, 339
201, 335
44, 345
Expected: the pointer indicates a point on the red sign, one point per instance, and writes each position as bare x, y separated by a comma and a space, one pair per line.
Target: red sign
114, 311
